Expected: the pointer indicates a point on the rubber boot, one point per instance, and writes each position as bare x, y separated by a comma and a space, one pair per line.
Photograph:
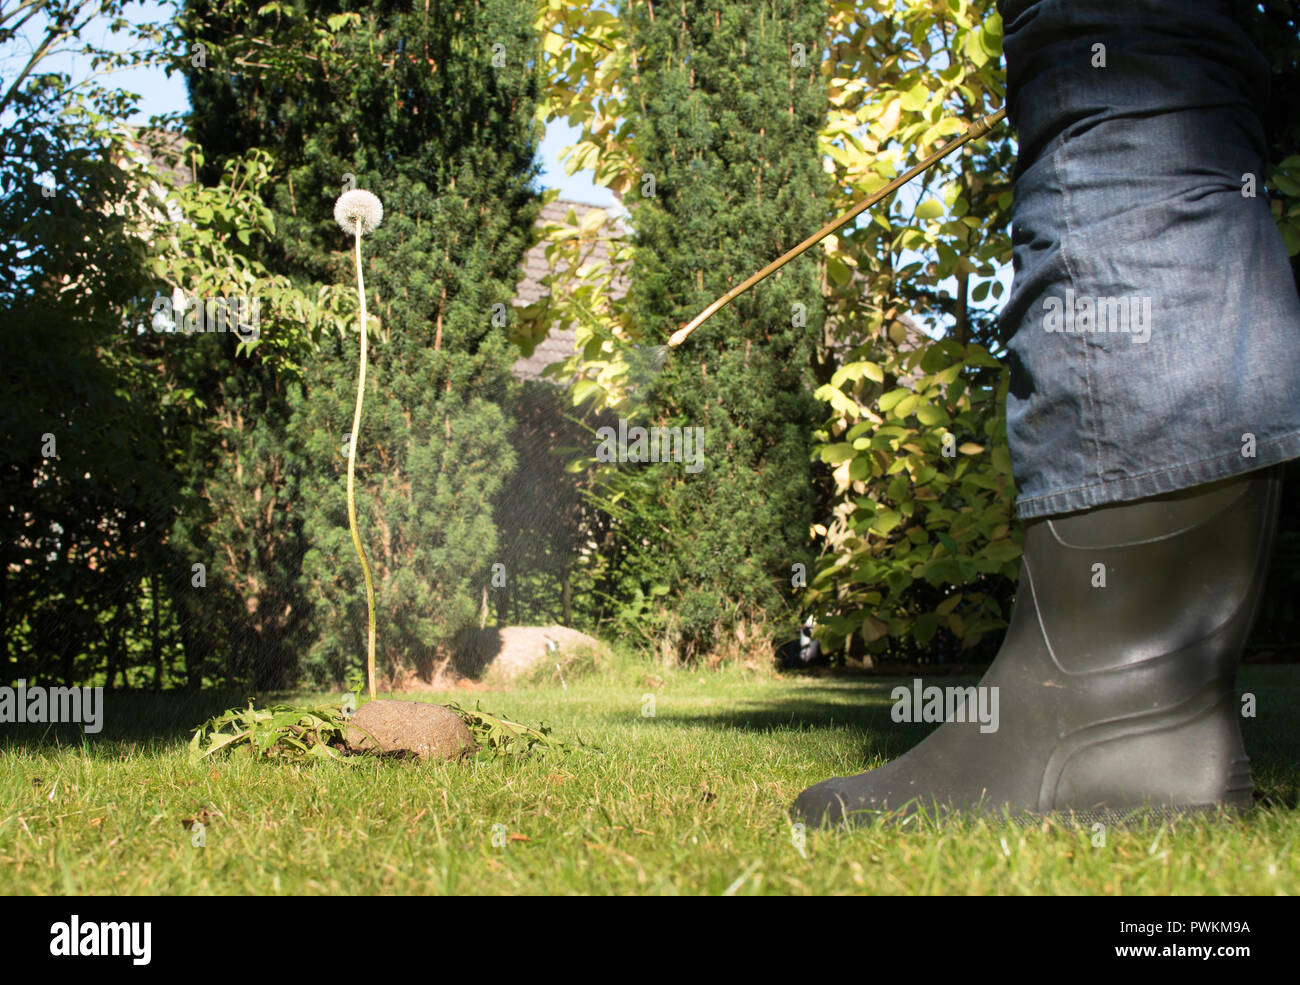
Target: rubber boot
1116, 677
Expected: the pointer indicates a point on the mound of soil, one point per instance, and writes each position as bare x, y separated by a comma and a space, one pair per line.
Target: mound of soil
429, 731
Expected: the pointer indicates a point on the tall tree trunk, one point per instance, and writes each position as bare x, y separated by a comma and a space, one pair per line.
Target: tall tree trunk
962, 329
155, 637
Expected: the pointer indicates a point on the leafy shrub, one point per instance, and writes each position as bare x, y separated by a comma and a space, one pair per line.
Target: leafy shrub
925, 500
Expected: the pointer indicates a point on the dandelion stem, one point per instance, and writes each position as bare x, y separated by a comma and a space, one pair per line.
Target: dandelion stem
352, 460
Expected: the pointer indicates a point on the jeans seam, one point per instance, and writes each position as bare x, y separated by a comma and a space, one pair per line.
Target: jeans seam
1066, 241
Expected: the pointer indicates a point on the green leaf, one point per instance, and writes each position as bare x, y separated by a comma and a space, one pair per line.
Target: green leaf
915, 98
838, 270
893, 398
1286, 185
839, 400
584, 389
873, 629
1001, 550
931, 208
930, 415
990, 42
906, 406
835, 454
857, 370
1290, 237
1002, 459
885, 521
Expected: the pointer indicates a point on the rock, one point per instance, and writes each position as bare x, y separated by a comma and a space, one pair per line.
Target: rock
430, 731
504, 653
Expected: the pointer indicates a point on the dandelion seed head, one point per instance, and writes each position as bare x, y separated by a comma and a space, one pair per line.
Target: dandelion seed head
358, 206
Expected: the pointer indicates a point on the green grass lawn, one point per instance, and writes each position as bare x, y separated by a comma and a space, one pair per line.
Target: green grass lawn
692, 800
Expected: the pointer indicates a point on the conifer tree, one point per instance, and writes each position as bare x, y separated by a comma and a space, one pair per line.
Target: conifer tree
732, 100
431, 108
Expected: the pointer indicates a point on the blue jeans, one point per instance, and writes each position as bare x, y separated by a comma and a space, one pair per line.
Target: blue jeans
1153, 321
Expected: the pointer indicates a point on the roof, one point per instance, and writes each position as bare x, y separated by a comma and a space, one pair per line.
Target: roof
559, 343
163, 149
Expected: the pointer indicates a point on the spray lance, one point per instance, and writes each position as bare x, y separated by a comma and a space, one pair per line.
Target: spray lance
977, 129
